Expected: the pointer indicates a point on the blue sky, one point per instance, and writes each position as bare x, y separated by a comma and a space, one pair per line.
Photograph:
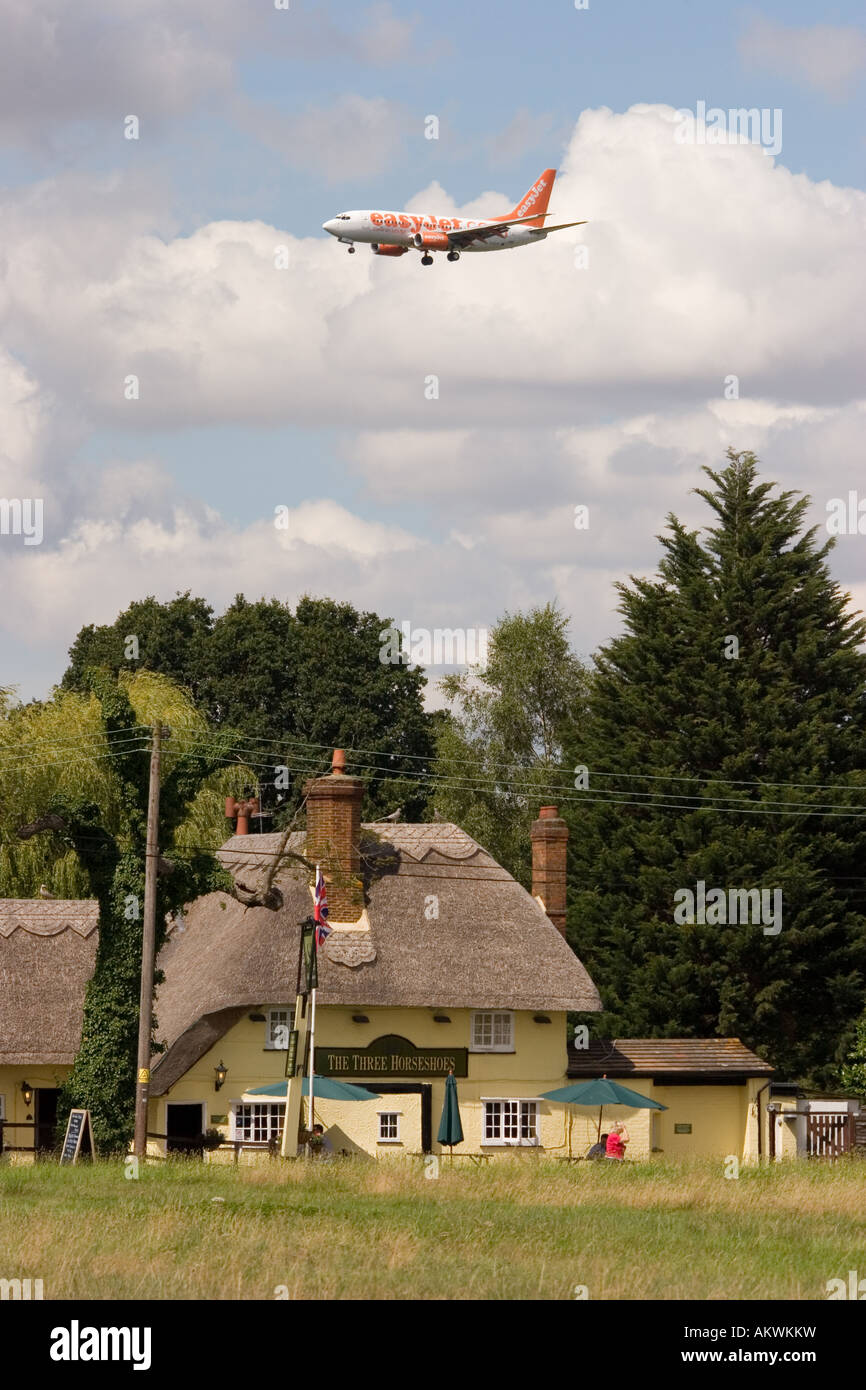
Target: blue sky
306, 391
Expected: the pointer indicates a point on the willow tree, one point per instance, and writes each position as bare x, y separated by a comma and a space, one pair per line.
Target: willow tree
73, 816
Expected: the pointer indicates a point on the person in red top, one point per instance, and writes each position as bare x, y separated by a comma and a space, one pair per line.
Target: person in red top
616, 1141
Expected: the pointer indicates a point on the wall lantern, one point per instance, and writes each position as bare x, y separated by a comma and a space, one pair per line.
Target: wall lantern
540, 1018
441, 1018
221, 1074
27, 1093
360, 1018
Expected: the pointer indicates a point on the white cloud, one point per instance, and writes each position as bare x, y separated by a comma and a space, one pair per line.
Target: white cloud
830, 58
703, 262
66, 67
558, 386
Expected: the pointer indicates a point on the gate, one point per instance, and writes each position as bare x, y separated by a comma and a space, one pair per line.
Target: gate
829, 1134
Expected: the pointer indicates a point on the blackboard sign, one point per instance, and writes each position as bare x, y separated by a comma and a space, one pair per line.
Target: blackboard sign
79, 1137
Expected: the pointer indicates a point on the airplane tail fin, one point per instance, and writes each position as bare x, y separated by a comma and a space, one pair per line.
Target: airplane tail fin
536, 199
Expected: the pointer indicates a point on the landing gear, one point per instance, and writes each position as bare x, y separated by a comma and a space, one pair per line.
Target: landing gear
453, 256
351, 250
426, 260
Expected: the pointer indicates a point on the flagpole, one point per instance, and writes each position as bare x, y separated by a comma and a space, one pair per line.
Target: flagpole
314, 953
312, 1056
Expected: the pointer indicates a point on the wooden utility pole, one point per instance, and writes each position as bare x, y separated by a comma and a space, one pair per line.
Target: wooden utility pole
148, 947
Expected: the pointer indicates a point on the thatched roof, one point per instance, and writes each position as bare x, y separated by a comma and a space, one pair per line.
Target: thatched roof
47, 955
667, 1059
490, 946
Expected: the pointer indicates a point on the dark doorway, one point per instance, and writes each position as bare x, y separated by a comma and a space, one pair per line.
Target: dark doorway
45, 1115
409, 1088
183, 1125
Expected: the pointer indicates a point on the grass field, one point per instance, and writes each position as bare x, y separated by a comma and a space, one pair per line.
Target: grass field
518, 1228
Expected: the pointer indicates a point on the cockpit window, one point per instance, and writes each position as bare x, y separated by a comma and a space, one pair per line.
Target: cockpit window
342, 216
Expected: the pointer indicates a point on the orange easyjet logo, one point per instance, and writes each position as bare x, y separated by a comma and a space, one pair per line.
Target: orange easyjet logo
532, 197
414, 222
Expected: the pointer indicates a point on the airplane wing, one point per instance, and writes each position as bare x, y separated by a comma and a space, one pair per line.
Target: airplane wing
561, 227
467, 234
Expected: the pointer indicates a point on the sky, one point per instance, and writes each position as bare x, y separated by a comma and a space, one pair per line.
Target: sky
714, 298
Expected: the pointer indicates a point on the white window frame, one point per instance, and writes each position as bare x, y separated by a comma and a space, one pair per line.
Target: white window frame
275, 1107
270, 1045
492, 1015
511, 1143
395, 1139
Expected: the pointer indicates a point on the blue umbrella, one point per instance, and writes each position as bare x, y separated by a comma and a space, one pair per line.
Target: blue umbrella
601, 1093
450, 1128
326, 1089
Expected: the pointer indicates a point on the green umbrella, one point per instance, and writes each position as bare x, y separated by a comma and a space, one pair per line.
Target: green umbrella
601, 1093
326, 1089
450, 1128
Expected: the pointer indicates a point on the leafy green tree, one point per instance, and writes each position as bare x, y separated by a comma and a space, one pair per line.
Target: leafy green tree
78, 816
852, 1073
725, 742
168, 637
500, 750
294, 685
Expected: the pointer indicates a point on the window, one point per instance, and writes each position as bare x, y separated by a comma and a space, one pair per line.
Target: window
277, 1029
510, 1122
2, 1107
389, 1126
256, 1124
492, 1032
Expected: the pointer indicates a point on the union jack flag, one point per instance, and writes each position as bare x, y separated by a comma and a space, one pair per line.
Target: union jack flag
320, 913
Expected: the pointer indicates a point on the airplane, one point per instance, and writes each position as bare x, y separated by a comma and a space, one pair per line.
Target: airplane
395, 233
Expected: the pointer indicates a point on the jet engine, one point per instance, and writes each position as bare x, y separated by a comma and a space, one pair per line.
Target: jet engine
389, 250
431, 241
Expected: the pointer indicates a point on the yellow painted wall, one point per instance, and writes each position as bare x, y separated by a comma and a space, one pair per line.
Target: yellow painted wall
50, 1077
723, 1120
719, 1115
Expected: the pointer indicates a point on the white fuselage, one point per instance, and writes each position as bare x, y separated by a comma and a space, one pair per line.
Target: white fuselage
402, 229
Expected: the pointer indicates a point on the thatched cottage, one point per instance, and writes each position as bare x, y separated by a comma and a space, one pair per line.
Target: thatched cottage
47, 955
438, 961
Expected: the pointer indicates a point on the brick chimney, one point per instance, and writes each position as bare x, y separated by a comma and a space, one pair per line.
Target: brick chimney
333, 837
549, 837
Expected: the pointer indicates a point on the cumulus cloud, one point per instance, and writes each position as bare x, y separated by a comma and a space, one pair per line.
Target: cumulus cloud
558, 385
830, 58
65, 67
703, 261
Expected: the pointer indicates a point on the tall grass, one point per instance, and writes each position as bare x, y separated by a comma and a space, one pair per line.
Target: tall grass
518, 1228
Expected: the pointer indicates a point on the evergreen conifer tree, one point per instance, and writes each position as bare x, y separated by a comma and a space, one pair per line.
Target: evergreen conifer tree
726, 742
